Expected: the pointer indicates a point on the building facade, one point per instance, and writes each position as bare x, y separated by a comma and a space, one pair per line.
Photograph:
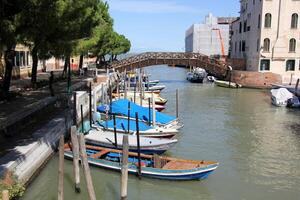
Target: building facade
267, 37
210, 38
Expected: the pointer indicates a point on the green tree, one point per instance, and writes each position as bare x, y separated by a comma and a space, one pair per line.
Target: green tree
86, 45
53, 27
9, 34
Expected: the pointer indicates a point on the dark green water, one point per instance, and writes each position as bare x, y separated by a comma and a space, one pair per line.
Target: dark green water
256, 144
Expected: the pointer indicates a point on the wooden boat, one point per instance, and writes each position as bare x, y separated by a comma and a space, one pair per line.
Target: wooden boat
152, 166
106, 139
227, 84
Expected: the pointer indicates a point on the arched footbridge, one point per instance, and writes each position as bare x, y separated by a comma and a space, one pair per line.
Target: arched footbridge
213, 66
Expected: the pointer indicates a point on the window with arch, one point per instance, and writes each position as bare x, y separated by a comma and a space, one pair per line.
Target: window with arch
268, 20
266, 47
294, 22
292, 46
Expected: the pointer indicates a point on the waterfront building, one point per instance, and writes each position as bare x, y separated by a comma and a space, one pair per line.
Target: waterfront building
266, 37
211, 37
23, 63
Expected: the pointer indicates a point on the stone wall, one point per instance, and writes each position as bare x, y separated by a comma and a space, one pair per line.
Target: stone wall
255, 79
237, 63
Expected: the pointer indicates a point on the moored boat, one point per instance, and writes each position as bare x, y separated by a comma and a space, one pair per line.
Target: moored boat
144, 129
152, 166
197, 75
280, 97
120, 107
227, 84
106, 139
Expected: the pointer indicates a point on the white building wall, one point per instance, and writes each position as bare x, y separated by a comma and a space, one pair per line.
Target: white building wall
201, 38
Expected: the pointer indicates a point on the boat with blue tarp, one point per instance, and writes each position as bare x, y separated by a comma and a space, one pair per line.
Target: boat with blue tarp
120, 107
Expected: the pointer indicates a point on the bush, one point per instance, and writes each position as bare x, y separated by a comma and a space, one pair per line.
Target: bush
14, 188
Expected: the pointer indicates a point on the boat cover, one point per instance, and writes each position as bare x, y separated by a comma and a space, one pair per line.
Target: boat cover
280, 96
120, 107
122, 124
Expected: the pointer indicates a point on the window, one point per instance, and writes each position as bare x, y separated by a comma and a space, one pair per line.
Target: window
266, 47
257, 45
240, 46
258, 24
265, 65
22, 58
245, 26
268, 20
240, 29
294, 22
17, 58
27, 58
292, 46
235, 47
290, 65
243, 46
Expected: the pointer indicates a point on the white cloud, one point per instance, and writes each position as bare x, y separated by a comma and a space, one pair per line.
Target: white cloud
149, 6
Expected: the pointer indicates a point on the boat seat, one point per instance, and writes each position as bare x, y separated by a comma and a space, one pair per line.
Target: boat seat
180, 165
158, 161
99, 154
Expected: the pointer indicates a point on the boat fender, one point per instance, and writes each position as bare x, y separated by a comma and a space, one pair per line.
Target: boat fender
142, 164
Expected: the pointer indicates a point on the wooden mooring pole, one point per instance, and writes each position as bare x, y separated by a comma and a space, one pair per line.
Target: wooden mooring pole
124, 169
61, 169
90, 104
115, 131
128, 119
5, 195
81, 115
296, 87
138, 144
86, 168
75, 149
149, 110
153, 111
177, 102
75, 109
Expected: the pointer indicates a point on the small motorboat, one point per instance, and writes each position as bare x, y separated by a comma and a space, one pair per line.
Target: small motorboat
155, 88
280, 96
210, 78
152, 166
106, 139
197, 75
293, 102
227, 84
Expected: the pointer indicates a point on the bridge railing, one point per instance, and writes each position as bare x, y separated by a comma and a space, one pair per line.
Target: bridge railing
167, 55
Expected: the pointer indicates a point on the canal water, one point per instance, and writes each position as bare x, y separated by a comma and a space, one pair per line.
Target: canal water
256, 144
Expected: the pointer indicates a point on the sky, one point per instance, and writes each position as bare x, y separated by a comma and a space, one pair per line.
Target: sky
160, 25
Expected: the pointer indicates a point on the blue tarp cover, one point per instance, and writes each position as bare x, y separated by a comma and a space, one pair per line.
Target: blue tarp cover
120, 107
123, 123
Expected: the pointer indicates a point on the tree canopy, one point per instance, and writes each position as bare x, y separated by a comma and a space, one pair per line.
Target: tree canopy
59, 28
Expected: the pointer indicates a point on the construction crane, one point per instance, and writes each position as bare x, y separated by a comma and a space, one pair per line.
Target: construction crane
221, 41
